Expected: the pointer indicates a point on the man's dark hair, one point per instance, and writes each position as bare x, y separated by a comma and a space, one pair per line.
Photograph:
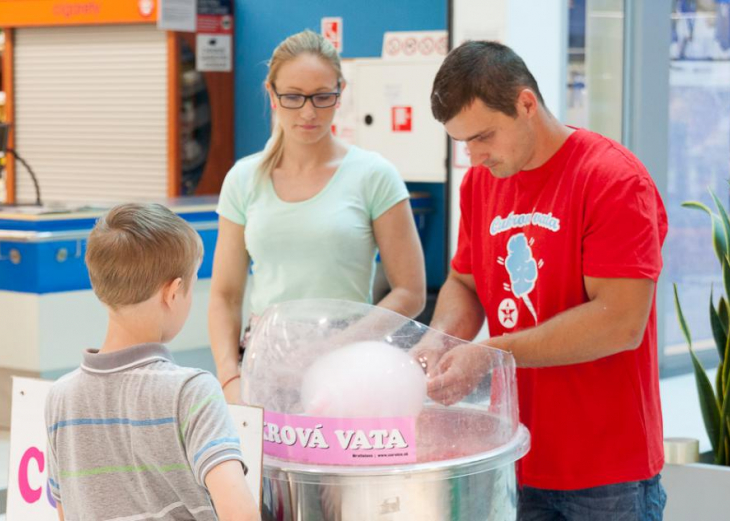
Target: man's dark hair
488, 71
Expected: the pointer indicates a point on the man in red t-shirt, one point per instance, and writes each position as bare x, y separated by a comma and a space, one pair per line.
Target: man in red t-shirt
560, 247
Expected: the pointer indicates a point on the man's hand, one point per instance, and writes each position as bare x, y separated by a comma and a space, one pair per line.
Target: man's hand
427, 352
458, 372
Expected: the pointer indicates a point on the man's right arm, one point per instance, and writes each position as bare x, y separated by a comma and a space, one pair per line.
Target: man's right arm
458, 313
458, 310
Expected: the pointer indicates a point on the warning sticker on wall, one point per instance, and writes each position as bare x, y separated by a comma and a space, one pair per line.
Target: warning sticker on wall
332, 31
415, 45
402, 118
213, 53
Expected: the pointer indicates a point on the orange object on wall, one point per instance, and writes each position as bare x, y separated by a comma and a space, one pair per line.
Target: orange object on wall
173, 115
221, 154
8, 85
34, 13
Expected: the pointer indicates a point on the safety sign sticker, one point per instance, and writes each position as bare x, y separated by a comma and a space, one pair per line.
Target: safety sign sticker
402, 119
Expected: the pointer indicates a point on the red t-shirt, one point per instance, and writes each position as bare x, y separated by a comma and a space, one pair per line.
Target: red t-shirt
591, 210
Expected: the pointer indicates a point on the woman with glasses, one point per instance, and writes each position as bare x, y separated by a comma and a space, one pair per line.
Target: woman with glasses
309, 212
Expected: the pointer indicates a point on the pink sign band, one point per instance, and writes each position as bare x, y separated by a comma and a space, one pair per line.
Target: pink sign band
340, 441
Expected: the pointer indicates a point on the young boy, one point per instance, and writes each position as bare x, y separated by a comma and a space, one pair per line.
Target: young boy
131, 435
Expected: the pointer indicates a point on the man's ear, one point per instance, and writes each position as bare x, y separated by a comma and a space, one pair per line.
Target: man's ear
170, 291
527, 103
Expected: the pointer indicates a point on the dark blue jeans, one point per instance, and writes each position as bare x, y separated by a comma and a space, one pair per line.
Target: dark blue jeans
631, 501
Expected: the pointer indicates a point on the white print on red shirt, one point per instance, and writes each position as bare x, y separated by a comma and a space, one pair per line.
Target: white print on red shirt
520, 220
522, 269
508, 313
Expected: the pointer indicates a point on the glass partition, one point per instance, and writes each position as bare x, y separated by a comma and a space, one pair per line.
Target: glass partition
595, 66
699, 159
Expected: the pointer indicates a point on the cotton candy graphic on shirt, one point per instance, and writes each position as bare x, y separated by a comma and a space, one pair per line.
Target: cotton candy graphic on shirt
522, 269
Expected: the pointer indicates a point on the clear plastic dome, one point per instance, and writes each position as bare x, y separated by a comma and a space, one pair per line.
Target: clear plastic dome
337, 376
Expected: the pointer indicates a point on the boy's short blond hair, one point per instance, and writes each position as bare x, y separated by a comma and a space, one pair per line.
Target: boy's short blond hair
134, 249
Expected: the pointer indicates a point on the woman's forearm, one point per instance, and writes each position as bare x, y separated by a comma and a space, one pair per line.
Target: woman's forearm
224, 326
404, 301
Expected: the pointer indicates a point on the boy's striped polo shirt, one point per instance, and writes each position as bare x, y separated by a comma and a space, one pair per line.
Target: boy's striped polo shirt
132, 435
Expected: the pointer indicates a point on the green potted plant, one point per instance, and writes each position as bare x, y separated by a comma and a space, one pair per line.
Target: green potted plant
698, 490
714, 404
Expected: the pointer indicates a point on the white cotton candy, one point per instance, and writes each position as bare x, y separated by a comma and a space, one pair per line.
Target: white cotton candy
364, 380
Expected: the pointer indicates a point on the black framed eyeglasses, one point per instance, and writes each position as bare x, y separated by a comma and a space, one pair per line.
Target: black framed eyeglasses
320, 100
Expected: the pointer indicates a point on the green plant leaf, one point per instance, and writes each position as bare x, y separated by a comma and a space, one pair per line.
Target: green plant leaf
723, 217
719, 385
680, 317
718, 332
721, 456
708, 402
724, 369
719, 239
722, 310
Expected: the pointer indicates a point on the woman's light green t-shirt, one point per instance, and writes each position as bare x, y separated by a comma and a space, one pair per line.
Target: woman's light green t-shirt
323, 247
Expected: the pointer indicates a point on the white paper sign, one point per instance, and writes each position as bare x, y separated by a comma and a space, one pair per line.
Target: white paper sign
250, 424
213, 52
415, 45
177, 15
29, 495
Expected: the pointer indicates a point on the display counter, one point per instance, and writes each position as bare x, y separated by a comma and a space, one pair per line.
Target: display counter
48, 313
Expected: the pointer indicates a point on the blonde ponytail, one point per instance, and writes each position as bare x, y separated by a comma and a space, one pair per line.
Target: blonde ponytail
273, 151
304, 42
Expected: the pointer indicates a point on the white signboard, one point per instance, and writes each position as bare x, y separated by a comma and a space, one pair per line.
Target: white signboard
29, 494
213, 52
250, 424
178, 15
415, 45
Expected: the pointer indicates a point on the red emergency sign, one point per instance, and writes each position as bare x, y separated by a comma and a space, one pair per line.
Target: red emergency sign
402, 119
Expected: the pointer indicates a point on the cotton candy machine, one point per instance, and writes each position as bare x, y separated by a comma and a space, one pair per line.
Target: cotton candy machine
352, 432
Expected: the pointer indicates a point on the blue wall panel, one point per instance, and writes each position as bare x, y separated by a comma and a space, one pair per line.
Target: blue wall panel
261, 25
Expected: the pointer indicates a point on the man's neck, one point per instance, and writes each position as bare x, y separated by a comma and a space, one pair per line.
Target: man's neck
551, 136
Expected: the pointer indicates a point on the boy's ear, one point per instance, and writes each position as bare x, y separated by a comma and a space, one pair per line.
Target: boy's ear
170, 290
